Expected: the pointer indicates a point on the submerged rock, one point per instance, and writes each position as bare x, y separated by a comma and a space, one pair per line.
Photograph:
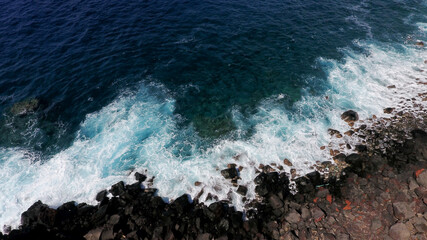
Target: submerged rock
25, 107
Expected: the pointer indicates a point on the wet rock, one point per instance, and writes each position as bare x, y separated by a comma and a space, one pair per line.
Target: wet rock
182, 204
361, 148
242, 190
229, 173
140, 177
38, 213
388, 110
399, 231
391, 86
349, 133
287, 162
333, 131
197, 183
350, 116
419, 44
101, 195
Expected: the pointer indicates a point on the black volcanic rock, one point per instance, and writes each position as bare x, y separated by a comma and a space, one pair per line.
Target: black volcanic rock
118, 188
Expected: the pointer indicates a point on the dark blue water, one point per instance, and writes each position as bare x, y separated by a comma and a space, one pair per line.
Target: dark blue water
78, 55
212, 58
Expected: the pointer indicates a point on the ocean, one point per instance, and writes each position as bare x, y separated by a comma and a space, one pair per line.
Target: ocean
178, 89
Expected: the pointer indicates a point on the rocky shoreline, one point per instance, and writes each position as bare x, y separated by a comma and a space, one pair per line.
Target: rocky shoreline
379, 192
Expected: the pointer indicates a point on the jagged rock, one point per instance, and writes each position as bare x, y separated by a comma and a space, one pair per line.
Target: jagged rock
182, 203
118, 188
101, 195
399, 231
350, 116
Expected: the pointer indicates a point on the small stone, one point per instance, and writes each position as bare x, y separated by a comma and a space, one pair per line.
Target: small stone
287, 162
197, 183
399, 232
391, 86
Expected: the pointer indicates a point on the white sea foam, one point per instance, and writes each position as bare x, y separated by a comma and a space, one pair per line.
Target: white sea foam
139, 130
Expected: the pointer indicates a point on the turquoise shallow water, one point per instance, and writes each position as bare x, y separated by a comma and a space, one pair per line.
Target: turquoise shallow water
179, 88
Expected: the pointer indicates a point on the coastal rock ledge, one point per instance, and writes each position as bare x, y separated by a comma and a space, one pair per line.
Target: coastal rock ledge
382, 194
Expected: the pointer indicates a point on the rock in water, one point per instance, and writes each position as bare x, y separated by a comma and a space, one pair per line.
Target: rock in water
229, 173
25, 107
350, 116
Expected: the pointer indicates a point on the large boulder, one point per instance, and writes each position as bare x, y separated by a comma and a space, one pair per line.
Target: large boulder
38, 213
